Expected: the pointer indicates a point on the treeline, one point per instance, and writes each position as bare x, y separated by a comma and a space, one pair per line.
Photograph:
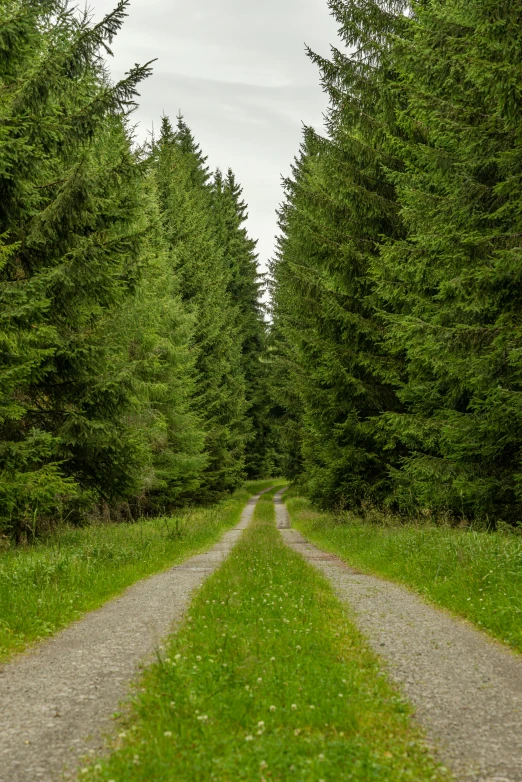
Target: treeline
130, 322
397, 341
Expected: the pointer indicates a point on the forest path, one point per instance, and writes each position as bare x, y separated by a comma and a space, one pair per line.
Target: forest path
466, 689
57, 699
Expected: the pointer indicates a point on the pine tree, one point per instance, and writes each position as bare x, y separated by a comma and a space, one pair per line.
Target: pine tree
153, 334
230, 214
454, 281
339, 208
205, 279
69, 195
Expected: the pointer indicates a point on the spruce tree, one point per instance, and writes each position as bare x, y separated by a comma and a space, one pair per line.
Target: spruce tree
230, 214
153, 336
454, 281
205, 278
69, 195
340, 206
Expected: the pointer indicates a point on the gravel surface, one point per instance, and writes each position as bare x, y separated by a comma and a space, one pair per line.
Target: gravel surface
56, 701
466, 688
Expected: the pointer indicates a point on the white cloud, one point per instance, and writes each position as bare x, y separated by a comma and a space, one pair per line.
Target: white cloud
238, 72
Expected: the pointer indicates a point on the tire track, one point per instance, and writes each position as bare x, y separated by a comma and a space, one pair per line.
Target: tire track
58, 698
466, 688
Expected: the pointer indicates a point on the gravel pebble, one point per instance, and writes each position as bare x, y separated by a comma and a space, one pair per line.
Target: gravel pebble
466, 688
57, 699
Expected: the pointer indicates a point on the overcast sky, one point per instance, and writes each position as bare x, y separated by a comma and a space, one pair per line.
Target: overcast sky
238, 72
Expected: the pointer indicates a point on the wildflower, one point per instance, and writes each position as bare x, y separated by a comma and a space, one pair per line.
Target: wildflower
298, 648
203, 717
259, 679
122, 735
85, 770
198, 658
261, 724
168, 733
272, 708
272, 659
263, 764
340, 695
172, 703
249, 738
97, 767
247, 687
320, 757
312, 707
293, 706
177, 656
297, 731
167, 659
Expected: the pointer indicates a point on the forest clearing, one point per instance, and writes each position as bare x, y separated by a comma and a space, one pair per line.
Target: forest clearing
261, 517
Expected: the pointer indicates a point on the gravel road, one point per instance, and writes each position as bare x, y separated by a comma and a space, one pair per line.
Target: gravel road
56, 701
465, 688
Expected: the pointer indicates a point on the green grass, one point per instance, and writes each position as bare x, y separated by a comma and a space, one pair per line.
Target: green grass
266, 680
45, 586
477, 575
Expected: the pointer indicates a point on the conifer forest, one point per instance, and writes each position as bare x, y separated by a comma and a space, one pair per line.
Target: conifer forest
252, 499
138, 371
131, 327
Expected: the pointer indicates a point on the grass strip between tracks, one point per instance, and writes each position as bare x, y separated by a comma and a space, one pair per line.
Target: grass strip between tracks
48, 585
267, 679
475, 574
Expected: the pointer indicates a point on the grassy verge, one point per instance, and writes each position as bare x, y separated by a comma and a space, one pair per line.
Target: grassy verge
477, 575
267, 679
46, 586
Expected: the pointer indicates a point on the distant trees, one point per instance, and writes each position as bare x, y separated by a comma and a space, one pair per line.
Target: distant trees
396, 303
130, 328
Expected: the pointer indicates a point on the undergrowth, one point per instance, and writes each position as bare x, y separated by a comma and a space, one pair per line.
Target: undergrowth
45, 586
476, 574
267, 679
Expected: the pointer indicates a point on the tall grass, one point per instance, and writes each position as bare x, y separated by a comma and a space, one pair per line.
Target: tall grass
47, 585
476, 574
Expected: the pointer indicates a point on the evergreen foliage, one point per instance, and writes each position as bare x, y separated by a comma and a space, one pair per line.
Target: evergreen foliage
454, 281
339, 207
396, 304
205, 276
245, 287
69, 192
129, 319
